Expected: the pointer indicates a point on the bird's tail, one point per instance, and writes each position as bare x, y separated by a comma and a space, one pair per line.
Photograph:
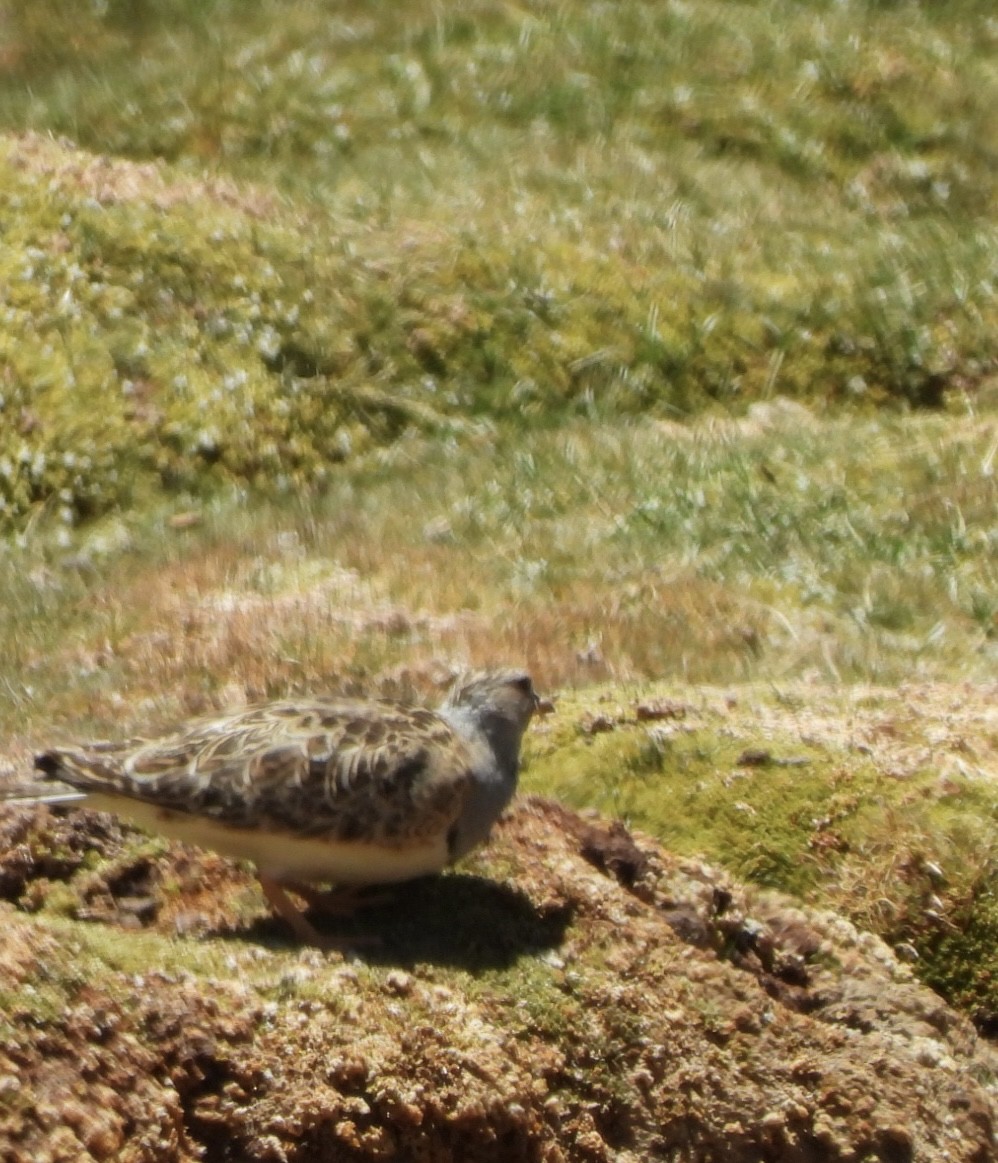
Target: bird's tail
49, 763
45, 790
40, 792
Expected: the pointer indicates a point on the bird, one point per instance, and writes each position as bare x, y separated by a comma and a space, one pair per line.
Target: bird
353, 792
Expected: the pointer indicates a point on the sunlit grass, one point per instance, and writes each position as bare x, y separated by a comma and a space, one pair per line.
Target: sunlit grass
781, 546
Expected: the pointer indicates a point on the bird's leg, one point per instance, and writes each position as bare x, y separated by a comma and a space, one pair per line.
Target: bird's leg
282, 904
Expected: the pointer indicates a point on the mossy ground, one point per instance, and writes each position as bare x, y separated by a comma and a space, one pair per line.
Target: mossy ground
339, 347
827, 794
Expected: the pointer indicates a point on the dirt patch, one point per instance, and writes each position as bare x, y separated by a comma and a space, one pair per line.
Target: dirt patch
578, 993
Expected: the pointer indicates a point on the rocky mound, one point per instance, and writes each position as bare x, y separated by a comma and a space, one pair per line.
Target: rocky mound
575, 993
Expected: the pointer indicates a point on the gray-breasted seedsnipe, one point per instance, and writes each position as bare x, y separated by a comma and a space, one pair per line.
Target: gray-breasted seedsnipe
351, 792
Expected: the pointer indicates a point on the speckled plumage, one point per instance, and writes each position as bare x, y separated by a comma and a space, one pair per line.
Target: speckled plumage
350, 791
340, 769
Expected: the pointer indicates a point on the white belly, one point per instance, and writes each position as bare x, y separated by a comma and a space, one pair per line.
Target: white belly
281, 855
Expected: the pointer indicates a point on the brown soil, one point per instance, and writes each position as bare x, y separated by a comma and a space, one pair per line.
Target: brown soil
579, 994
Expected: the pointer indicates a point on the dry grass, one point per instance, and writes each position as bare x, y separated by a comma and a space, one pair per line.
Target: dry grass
780, 546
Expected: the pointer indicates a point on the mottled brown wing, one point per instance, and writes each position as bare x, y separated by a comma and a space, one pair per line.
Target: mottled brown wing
342, 768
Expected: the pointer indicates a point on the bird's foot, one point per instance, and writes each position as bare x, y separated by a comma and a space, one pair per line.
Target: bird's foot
299, 924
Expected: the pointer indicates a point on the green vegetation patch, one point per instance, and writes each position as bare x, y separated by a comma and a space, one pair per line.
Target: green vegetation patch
513, 215
911, 855
139, 341
960, 962
156, 335
771, 822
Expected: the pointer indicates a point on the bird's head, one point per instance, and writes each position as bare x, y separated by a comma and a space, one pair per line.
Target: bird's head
500, 702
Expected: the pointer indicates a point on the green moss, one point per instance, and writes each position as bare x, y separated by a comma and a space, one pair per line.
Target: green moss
960, 961
60, 900
830, 828
690, 792
98, 948
536, 1002
39, 1004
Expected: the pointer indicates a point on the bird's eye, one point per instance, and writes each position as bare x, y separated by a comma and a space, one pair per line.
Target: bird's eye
524, 685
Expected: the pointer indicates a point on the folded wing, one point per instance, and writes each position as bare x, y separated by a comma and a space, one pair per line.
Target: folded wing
340, 769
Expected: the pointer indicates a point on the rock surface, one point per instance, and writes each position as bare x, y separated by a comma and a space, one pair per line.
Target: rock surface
575, 993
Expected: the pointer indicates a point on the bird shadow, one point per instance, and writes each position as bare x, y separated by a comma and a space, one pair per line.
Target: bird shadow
458, 921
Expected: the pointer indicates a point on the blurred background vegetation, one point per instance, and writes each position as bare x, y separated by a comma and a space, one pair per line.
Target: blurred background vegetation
517, 213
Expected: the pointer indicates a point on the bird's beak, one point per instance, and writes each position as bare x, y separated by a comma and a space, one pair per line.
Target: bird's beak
543, 706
